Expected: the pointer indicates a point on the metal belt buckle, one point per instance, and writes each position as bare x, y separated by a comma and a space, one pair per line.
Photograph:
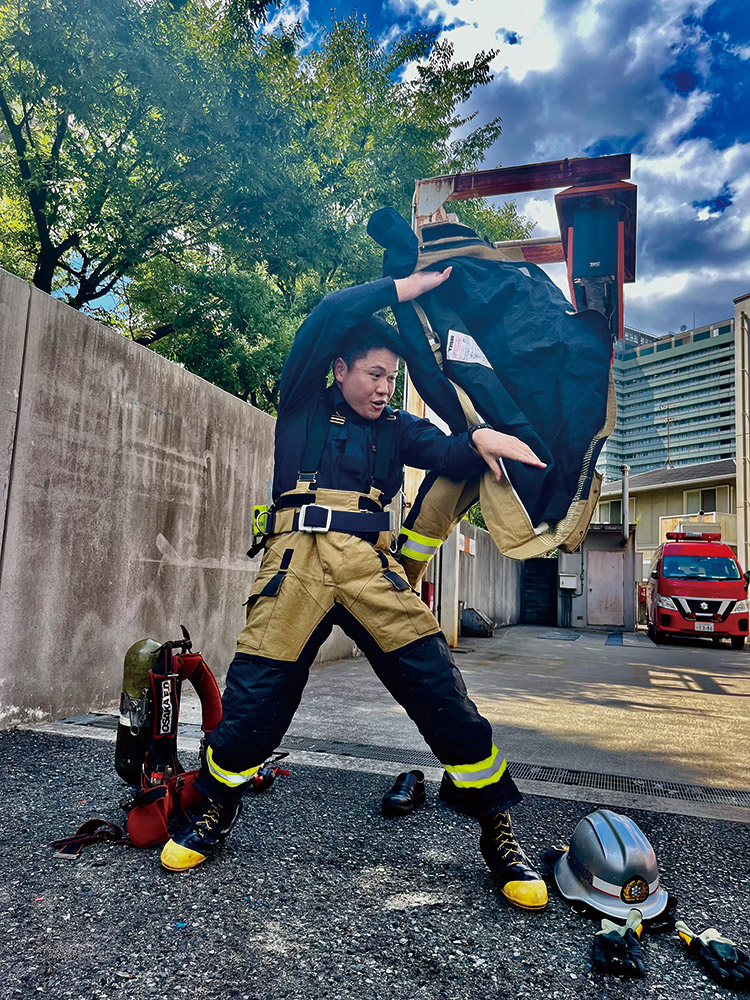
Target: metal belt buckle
302, 526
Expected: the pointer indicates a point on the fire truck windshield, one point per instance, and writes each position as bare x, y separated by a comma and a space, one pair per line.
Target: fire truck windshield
699, 568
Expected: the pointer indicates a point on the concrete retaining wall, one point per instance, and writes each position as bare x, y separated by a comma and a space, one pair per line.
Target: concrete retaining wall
127, 490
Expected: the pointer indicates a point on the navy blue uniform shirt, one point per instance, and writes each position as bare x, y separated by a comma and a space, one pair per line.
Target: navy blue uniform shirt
347, 462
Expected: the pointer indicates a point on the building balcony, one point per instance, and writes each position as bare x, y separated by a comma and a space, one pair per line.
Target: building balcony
727, 524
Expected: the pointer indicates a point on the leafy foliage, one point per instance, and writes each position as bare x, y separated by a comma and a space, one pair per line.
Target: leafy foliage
128, 128
200, 184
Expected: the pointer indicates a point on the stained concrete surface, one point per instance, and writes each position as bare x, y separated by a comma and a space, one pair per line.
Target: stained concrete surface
317, 895
679, 712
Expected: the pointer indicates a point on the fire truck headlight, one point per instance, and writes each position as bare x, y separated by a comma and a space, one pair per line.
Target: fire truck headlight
666, 602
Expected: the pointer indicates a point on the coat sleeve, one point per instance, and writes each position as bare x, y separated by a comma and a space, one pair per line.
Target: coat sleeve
425, 446
323, 333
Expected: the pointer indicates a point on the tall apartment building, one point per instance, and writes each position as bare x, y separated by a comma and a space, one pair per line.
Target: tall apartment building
675, 400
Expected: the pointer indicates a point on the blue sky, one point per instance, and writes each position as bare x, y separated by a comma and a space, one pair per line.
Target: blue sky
665, 80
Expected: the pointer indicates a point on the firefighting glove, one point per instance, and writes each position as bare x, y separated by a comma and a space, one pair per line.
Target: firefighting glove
617, 949
720, 957
552, 855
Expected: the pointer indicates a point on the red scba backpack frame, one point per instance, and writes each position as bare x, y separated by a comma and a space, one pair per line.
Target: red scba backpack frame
167, 791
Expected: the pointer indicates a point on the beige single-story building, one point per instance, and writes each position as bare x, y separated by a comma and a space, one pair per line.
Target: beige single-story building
661, 499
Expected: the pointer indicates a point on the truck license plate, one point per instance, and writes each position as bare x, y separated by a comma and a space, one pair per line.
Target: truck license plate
704, 626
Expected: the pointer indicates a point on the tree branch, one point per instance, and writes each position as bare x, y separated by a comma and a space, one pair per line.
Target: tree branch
36, 198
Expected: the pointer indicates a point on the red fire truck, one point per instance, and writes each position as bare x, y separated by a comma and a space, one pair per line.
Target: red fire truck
697, 587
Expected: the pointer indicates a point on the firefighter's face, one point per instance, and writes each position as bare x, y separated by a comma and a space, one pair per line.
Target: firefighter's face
369, 383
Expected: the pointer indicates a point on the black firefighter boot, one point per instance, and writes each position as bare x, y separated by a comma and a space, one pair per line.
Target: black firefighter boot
520, 883
202, 837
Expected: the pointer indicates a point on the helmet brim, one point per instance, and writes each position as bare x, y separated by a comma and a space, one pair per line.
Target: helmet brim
574, 890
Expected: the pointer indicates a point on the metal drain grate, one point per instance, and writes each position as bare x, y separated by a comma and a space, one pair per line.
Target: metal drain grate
675, 790
569, 636
613, 639
631, 786
415, 758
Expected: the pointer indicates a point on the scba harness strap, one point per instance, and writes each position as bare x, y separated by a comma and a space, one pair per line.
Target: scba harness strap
166, 679
147, 823
303, 513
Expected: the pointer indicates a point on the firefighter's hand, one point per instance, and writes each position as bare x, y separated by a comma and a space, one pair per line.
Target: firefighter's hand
493, 445
720, 957
617, 949
419, 283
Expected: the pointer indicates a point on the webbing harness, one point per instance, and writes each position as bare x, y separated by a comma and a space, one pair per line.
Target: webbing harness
317, 433
319, 518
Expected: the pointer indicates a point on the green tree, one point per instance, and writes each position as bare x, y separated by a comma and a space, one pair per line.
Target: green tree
373, 120
200, 184
365, 128
228, 324
127, 131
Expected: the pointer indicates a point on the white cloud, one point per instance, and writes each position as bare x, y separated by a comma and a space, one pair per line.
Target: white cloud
586, 71
679, 116
288, 15
475, 25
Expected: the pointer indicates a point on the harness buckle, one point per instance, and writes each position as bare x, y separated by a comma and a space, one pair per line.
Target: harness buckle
302, 524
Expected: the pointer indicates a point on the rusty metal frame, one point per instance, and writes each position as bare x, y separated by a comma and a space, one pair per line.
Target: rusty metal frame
432, 193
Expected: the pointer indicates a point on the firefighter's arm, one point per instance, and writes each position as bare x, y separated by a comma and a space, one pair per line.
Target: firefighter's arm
493, 445
322, 333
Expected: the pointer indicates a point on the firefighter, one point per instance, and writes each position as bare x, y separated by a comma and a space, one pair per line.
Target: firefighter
339, 458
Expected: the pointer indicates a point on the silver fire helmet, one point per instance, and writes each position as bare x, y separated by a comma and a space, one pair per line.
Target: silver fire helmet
611, 867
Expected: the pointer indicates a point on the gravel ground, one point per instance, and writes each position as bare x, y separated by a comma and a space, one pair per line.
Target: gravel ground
317, 895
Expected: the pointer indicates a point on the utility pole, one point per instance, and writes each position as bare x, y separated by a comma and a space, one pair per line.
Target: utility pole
666, 407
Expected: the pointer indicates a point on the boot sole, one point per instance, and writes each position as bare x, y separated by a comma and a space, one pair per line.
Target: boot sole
522, 906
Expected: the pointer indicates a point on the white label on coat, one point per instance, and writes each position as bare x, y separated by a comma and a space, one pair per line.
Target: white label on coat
462, 347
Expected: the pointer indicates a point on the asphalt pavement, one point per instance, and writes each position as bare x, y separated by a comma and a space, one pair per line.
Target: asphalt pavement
317, 895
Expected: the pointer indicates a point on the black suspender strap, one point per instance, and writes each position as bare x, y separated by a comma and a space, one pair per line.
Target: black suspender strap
317, 433
392, 577
273, 586
383, 444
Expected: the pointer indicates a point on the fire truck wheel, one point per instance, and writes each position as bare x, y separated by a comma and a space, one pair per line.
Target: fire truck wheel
738, 642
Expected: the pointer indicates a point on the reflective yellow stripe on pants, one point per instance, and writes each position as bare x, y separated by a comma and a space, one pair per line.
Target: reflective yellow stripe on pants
231, 778
484, 772
419, 547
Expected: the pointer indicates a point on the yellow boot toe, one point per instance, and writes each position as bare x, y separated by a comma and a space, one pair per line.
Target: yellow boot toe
530, 895
177, 858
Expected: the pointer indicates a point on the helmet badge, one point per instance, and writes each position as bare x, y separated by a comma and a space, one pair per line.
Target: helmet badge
635, 890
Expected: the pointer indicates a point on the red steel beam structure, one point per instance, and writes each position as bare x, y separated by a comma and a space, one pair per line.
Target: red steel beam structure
431, 194
529, 177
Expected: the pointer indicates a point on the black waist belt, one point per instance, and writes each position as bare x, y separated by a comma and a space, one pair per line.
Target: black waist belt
320, 518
